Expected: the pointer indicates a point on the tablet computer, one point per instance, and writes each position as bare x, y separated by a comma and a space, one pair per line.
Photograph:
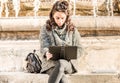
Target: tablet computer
63, 52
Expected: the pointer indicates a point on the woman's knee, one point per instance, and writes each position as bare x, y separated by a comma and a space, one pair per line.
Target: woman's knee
62, 61
65, 66
62, 64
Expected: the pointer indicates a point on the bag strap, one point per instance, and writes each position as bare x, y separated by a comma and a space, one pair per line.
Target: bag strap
37, 57
74, 69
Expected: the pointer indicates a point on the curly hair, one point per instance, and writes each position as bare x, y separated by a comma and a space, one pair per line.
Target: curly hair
59, 6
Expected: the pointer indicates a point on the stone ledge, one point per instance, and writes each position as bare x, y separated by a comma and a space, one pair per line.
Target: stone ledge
82, 22
21, 77
94, 78
22, 28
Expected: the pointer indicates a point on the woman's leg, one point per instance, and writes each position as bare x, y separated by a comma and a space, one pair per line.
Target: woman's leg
58, 73
64, 79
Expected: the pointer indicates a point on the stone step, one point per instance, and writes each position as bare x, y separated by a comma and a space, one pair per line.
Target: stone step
22, 77
13, 54
103, 54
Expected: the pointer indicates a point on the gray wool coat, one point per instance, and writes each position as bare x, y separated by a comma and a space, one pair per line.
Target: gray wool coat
47, 39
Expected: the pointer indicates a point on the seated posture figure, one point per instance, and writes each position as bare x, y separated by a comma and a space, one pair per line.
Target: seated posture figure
59, 31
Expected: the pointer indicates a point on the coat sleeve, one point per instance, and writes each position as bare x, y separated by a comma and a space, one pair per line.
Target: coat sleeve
77, 42
44, 40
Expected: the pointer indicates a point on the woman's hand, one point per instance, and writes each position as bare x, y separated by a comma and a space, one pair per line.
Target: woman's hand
48, 55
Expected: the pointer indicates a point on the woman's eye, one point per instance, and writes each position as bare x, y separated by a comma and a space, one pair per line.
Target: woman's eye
58, 18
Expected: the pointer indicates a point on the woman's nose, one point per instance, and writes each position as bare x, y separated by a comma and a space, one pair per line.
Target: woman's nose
60, 21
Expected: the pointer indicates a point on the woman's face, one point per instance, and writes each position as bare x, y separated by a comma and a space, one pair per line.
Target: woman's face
60, 18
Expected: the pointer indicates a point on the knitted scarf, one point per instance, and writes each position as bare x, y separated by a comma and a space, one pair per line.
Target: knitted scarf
62, 37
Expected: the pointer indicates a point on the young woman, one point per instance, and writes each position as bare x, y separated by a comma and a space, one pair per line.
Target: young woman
58, 31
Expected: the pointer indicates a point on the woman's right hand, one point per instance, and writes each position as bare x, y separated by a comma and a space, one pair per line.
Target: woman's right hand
48, 55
